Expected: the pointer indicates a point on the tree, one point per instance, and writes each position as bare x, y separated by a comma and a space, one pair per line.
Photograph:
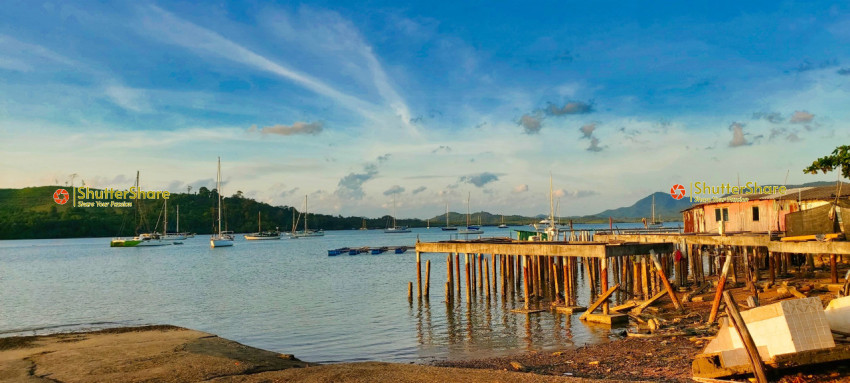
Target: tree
840, 159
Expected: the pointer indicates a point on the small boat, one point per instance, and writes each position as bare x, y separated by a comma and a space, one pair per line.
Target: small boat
448, 227
401, 249
503, 225
335, 252
262, 235
222, 239
166, 236
306, 232
379, 250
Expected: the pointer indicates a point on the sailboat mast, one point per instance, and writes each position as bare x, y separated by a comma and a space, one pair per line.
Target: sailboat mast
218, 191
305, 214
165, 214
178, 219
653, 208
468, 195
136, 204
551, 204
259, 224
447, 215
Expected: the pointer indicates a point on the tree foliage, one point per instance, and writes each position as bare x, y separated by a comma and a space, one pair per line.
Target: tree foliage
840, 159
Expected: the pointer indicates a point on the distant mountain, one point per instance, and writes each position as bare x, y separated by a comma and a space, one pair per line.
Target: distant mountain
666, 208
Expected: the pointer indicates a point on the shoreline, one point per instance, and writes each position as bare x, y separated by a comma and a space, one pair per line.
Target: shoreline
171, 353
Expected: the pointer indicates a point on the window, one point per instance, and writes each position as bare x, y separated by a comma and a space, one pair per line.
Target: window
717, 215
726, 214
755, 213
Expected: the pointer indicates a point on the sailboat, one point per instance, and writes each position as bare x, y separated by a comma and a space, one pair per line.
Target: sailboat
654, 222
364, 225
140, 240
260, 234
173, 236
470, 229
220, 239
503, 225
307, 232
448, 227
396, 229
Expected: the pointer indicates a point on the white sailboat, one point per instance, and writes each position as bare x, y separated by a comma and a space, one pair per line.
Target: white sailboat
448, 227
503, 225
260, 234
470, 229
395, 228
220, 239
306, 232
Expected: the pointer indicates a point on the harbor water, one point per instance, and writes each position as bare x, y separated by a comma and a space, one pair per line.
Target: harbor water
287, 296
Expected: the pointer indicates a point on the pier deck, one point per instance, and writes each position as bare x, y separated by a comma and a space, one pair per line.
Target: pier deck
552, 249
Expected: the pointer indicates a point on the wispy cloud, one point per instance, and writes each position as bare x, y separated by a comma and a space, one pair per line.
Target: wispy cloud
128, 98
395, 189
480, 179
738, 138
801, 117
174, 30
772, 117
530, 124
419, 190
351, 186
312, 128
594, 145
572, 107
442, 148
520, 188
587, 130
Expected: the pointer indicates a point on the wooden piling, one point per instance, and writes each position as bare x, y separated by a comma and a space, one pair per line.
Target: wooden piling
468, 287
495, 280
410, 291
644, 277
603, 281
525, 281
721, 283
457, 272
449, 277
427, 277
487, 277
418, 274
666, 284
771, 260
555, 273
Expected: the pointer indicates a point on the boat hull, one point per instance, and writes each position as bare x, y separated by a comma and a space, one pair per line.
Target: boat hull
221, 242
261, 238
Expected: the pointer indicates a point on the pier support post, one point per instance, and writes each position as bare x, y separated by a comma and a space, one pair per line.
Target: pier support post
525, 281
449, 278
457, 271
833, 269
427, 278
468, 287
418, 274
487, 277
603, 280
721, 283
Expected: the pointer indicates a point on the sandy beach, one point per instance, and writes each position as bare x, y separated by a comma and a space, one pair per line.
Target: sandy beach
175, 354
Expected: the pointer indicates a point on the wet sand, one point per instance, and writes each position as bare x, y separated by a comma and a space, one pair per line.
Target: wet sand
174, 354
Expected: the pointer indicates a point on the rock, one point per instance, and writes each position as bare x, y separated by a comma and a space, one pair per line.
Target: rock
517, 366
557, 353
594, 363
286, 356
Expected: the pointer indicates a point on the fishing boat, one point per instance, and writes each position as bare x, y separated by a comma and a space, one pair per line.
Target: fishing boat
260, 234
503, 225
396, 229
654, 222
141, 239
306, 232
448, 227
221, 239
470, 229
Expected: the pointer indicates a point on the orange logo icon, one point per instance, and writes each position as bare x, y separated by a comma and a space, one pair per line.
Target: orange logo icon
677, 191
61, 196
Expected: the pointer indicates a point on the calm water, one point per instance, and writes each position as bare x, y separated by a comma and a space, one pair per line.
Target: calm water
287, 296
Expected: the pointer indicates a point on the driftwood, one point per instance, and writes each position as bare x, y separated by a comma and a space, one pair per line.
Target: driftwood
638, 310
604, 297
695, 292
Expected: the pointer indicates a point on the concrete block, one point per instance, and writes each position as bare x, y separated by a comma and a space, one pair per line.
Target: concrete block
780, 328
611, 319
838, 314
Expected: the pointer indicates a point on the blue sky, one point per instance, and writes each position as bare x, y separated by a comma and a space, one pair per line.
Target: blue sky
354, 103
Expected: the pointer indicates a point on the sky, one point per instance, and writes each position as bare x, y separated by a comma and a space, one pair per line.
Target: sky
360, 104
